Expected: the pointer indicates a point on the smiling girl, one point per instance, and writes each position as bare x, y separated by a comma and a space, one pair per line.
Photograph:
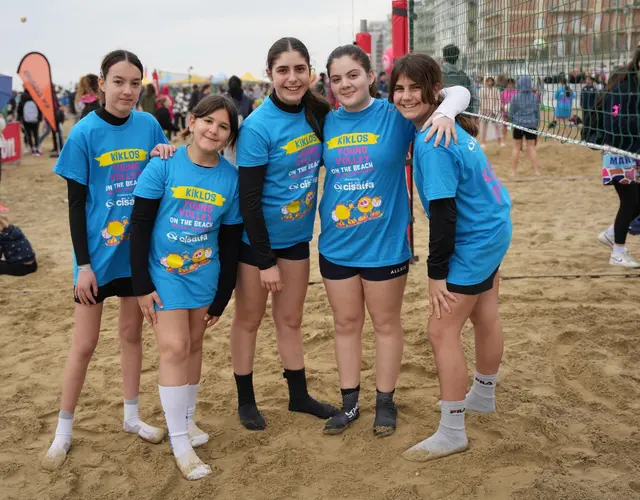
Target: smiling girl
278, 155
101, 161
364, 212
469, 234
185, 236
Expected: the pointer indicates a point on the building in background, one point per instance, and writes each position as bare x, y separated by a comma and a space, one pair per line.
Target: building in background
544, 37
380, 40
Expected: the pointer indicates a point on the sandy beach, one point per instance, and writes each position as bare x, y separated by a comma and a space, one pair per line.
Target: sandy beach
568, 400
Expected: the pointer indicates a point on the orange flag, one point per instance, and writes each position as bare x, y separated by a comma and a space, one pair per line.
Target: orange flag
35, 72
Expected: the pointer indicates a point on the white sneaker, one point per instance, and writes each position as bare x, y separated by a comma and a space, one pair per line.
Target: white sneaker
623, 260
604, 238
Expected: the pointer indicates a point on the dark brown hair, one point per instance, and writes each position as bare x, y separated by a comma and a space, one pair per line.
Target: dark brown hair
425, 71
316, 107
211, 104
113, 58
359, 56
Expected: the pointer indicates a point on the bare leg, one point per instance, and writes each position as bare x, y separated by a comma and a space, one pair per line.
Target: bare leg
533, 156
174, 343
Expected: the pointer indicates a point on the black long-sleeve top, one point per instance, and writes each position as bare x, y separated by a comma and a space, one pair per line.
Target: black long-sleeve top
144, 215
164, 119
251, 185
77, 195
442, 237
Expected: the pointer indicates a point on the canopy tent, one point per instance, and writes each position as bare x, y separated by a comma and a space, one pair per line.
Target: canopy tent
250, 77
5, 90
194, 80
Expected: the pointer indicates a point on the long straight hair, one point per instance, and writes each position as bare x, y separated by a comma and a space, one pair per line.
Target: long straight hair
316, 107
425, 71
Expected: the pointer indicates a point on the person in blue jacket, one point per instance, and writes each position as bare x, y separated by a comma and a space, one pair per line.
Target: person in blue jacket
469, 234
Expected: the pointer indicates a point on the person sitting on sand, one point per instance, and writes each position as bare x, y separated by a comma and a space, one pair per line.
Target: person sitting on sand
17, 257
469, 234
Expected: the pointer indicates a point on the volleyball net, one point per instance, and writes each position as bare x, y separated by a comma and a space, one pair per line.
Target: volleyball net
572, 52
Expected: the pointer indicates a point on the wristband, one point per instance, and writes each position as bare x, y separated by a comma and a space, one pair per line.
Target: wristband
84, 267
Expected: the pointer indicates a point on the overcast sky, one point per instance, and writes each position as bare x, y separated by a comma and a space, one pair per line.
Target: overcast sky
232, 36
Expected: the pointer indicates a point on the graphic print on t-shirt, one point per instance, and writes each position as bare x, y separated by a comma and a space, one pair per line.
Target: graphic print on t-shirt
353, 159
304, 176
195, 214
125, 166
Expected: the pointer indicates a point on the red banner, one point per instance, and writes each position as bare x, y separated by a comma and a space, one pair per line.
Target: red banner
400, 28
35, 72
11, 143
363, 40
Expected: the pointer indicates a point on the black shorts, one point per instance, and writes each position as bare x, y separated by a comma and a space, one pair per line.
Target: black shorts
120, 287
519, 134
331, 271
299, 251
474, 289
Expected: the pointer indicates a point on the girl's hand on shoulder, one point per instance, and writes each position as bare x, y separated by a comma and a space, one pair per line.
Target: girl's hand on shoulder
164, 151
440, 125
438, 295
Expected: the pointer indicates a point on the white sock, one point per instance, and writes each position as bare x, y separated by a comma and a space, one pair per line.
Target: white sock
450, 437
609, 232
191, 402
482, 396
174, 404
64, 430
618, 249
57, 453
134, 425
197, 436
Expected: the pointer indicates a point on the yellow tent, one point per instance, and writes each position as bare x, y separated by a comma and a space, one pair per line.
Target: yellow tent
195, 80
249, 77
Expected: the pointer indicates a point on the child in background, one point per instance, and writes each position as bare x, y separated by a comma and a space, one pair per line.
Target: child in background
17, 257
524, 111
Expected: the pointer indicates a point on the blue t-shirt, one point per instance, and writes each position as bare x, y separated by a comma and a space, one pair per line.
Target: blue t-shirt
483, 227
287, 145
364, 210
108, 160
183, 259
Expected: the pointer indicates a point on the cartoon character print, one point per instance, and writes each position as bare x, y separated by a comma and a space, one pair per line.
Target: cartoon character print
186, 263
116, 232
352, 214
297, 209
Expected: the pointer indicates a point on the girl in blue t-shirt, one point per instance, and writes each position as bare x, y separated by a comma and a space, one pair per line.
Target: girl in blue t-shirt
185, 237
564, 97
364, 213
104, 155
279, 153
469, 234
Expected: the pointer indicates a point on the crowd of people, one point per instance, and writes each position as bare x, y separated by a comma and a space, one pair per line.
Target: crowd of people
173, 232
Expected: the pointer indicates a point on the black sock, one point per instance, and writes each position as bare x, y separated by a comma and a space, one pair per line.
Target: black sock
250, 416
348, 413
386, 413
350, 398
244, 384
299, 399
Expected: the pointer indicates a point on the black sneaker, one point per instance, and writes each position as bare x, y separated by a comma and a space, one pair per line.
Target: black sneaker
338, 423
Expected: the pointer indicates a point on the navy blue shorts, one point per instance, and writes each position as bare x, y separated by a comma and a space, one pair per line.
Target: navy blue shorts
299, 251
120, 287
477, 289
332, 271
